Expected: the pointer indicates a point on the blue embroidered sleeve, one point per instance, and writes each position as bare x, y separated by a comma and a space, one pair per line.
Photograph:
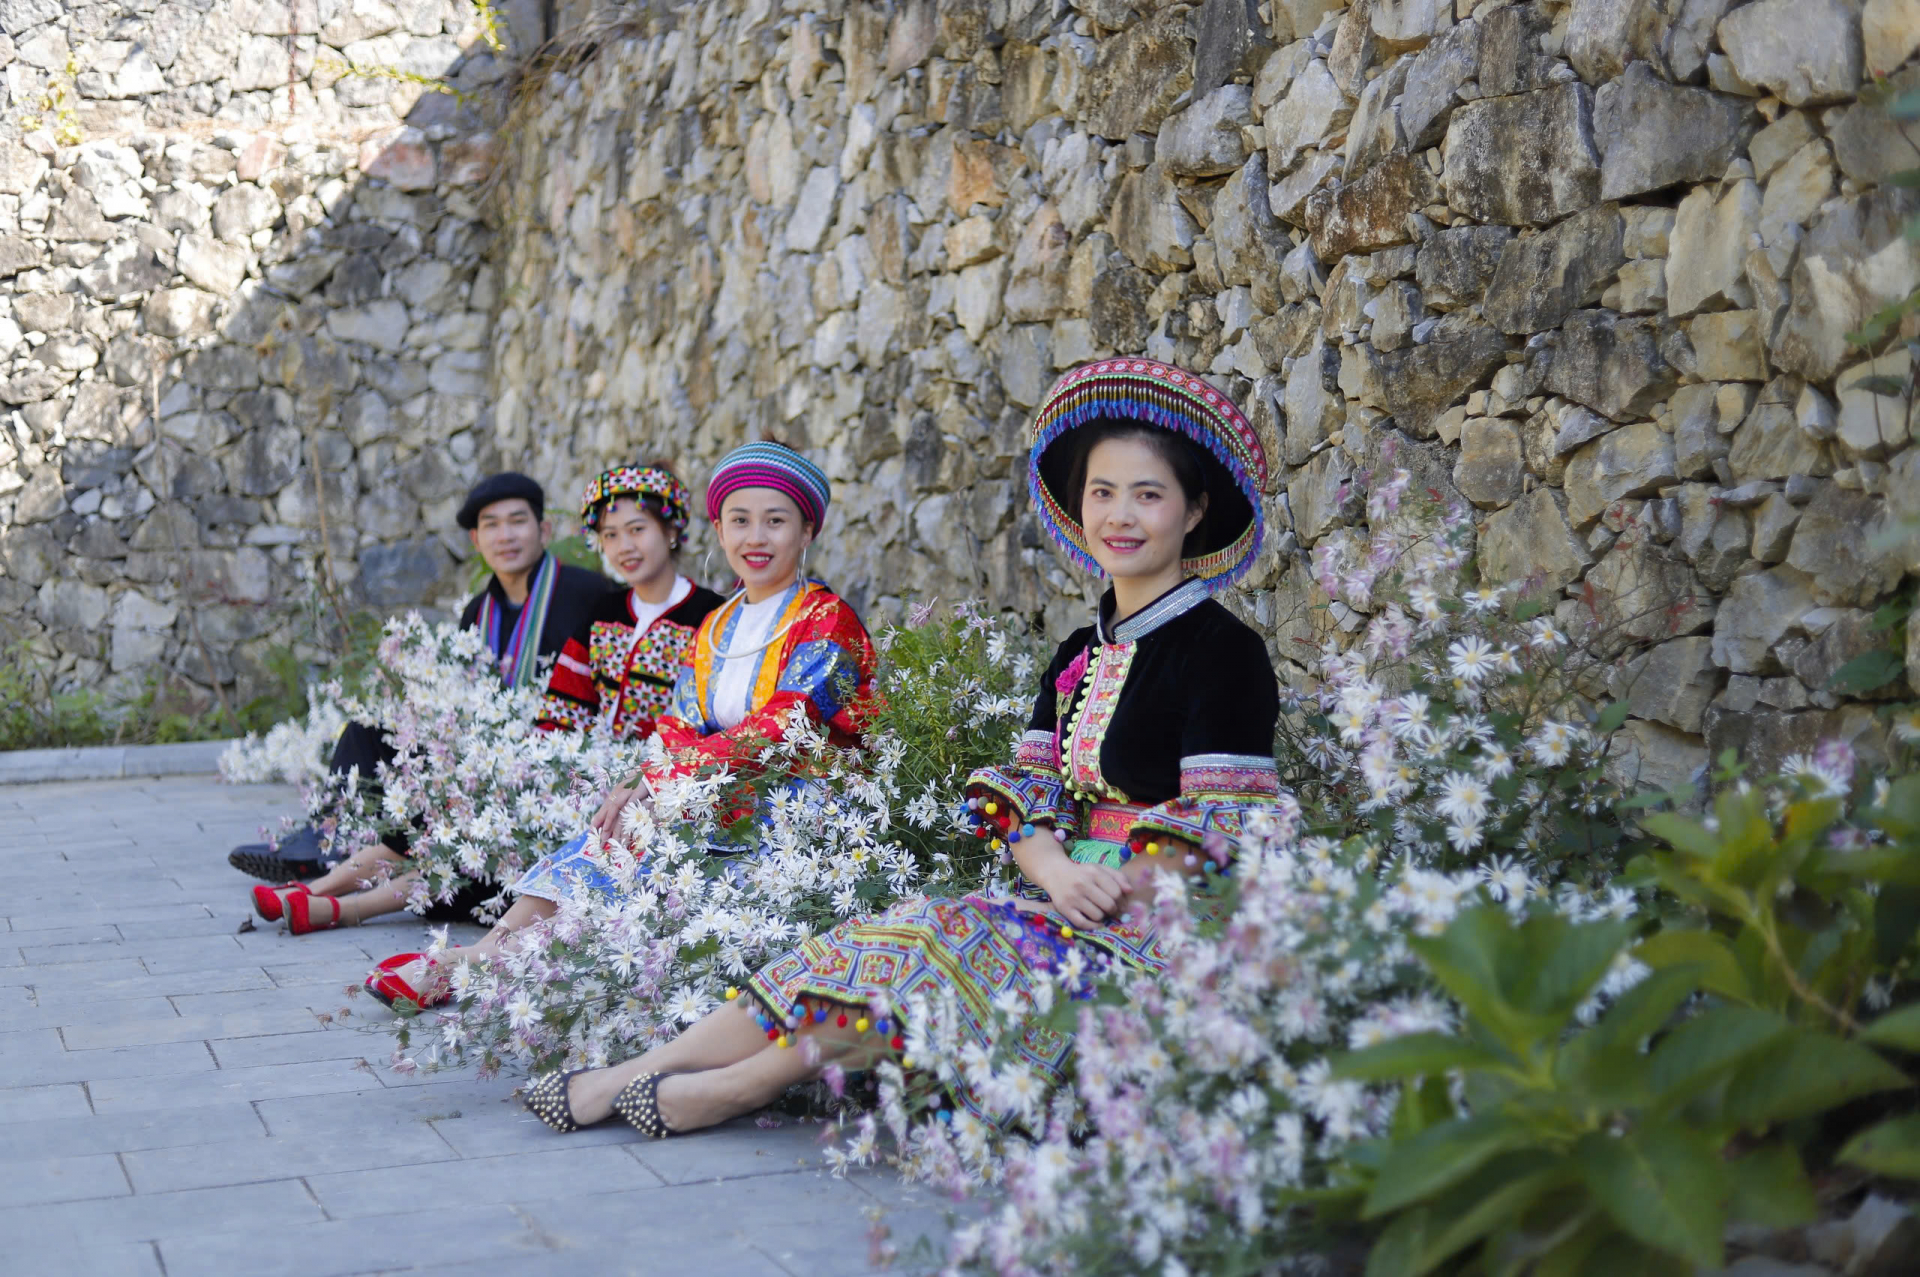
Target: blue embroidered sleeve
686, 701
823, 672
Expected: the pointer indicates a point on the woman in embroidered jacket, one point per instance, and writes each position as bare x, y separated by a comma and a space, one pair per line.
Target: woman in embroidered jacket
633, 642
1152, 733
621, 667
782, 642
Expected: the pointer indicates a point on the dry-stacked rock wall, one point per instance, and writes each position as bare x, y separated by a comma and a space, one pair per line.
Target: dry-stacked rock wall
1585, 267
243, 298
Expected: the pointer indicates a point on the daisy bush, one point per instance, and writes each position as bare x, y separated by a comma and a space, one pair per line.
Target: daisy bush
478, 791
699, 903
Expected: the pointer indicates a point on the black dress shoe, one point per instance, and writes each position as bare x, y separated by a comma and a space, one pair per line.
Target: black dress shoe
298, 857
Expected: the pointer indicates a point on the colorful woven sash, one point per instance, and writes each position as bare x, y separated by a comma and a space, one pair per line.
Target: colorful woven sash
522, 651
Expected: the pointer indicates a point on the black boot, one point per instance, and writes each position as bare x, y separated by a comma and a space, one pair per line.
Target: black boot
299, 856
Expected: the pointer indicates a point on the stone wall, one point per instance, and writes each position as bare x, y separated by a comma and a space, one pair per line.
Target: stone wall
1586, 267
242, 298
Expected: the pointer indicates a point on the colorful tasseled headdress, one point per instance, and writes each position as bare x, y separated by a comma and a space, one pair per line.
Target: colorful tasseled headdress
657, 482
1155, 394
771, 465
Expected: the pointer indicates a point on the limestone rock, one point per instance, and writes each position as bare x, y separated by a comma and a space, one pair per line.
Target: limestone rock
1138, 74
1230, 40
1434, 82
1672, 683
1643, 592
401, 574
1756, 613
1313, 403
1636, 460
1690, 36
1511, 59
1525, 159
1853, 261
1603, 36
1795, 193
1037, 284
381, 324
1770, 443
1149, 224
1455, 266
1491, 463
1420, 382
1870, 424
1836, 545
1889, 33
1208, 138
179, 312
1320, 493
1610, 364
1288, 197
1849, 635
1543, 278
401, 158
1707, 265
1652, 134
1399, 25
1727, 346
212, 265
1118, 311
1313, 110
244, 209
1371, 212
1803, 50
1248, 243
1530, 542
1649, 757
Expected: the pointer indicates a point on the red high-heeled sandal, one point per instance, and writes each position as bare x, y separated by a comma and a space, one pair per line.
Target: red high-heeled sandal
385, 983
266, 900
300, 917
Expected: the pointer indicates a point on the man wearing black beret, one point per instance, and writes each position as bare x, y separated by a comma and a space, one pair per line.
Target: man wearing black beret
532, 604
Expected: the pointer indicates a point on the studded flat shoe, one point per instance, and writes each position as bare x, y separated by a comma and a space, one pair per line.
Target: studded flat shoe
639, 1103
547, 1100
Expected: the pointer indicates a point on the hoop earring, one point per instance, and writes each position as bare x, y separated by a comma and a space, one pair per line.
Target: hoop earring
803, 560
706, 565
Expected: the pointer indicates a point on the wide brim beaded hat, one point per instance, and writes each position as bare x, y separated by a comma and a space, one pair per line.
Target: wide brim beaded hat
657, 482
1155, 394
771, 465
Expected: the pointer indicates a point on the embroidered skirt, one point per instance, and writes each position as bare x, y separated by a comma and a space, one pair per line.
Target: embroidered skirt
976, 947
565, 875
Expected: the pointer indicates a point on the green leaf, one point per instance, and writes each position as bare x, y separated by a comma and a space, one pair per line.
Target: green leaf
1415, 1055
1908, 178
1899, 815
1867, 671
1891, 1148
1496, 1196
1896, 919
1576, 957
1611, 718
1803, 1073
1644, 1009
1697, 1052
1684, 835
1397, 1251
1896, 1028
1769, 1186
1440, 1157
1905, 106
1717, 969
1662, 1184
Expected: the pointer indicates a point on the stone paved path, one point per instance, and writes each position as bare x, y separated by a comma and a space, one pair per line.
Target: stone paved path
175, 1099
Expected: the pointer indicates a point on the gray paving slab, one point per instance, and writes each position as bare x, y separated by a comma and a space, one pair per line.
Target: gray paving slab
180, 1096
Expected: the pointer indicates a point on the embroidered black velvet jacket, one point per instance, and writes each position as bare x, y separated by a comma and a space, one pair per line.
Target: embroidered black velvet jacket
1172, 710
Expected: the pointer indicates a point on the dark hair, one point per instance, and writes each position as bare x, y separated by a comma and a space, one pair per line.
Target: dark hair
1181, 454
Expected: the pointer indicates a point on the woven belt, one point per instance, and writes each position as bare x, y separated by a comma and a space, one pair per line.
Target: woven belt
1111, 822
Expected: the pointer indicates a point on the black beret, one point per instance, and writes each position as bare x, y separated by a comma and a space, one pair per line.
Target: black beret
505, 486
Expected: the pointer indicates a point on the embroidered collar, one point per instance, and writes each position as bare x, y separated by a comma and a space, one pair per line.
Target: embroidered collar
1180, 599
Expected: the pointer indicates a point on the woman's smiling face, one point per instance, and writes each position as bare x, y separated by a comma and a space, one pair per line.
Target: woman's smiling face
763, 536
634, 542
1133, 509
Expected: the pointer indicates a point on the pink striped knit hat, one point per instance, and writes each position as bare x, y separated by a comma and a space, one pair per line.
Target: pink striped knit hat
770, 465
